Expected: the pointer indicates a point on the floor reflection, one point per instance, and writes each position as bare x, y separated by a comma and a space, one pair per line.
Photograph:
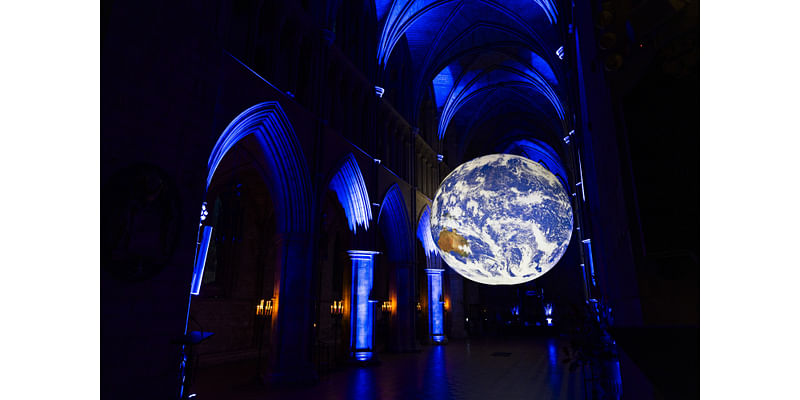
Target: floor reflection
436, 386
554, 371
499, 368
362, 385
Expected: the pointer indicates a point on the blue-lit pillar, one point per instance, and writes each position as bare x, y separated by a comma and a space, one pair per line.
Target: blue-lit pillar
362, 308
435, 306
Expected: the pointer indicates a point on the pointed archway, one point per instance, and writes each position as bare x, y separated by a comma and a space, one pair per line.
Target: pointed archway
288, 182
396, 231
346, 213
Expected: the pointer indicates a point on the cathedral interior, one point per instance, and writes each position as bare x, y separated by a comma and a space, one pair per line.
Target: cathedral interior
267, 176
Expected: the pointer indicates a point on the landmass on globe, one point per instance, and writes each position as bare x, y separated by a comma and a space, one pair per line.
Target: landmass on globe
452, 241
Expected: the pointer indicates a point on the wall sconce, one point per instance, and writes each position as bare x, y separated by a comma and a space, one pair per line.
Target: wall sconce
446, 305
419, 306
386, 306
337, 308
264, 308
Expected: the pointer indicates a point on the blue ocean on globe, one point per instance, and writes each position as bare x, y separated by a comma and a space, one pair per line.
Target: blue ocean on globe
501, 219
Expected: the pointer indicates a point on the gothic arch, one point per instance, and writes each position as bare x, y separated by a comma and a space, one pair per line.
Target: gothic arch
286, 165
348, 184
393, 220
426, 239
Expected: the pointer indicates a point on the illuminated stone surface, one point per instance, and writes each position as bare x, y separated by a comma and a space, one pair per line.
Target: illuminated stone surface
501, 219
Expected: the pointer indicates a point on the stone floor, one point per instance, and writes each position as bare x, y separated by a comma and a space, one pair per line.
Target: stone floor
514, 368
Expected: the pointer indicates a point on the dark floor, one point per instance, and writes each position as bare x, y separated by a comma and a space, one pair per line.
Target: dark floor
514, 368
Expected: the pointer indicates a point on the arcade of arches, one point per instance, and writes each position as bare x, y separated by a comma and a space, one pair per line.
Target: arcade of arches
295, 149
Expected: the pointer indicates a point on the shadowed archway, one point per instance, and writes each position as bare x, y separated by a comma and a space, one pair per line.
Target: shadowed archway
396, 231
278, 152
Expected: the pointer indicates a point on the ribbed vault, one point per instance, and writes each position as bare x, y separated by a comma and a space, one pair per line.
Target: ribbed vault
484, 66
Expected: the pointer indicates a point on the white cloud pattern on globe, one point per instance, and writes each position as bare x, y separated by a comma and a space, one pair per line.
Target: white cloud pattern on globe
501, 219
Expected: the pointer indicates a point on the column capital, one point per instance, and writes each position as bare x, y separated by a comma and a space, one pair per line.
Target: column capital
432, 271
362, 254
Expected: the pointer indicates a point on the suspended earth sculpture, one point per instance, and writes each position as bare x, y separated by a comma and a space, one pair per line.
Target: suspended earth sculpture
501, 219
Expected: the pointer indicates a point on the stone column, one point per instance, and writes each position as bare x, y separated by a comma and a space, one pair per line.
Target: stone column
457, 330
435, 306
290, 361
362, 320
403, 310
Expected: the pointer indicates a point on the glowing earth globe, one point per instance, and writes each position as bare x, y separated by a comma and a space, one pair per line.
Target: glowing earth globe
501, 219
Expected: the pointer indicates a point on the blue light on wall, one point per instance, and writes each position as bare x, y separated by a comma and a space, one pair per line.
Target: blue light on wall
399, 16
435, 305
541, 66
348, 183
362, 314
543, 154
442, 84
550, 9
200, 259
560, 53
424, 235
513, 75
395, 228
289, 179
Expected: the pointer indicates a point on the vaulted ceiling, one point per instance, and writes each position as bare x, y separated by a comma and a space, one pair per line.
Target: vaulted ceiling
492, 69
